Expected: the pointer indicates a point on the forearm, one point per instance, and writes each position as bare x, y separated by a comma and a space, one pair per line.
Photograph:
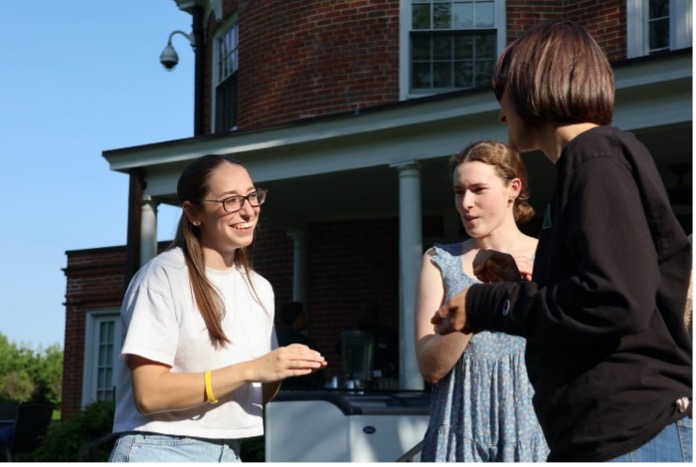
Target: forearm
164, 391
157, 389
438, 354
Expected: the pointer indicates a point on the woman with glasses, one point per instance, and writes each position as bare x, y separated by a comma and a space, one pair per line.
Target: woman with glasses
481, 408
608, 353
199, 352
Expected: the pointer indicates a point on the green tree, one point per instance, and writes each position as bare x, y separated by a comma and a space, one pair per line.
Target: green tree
47, 375
29, 375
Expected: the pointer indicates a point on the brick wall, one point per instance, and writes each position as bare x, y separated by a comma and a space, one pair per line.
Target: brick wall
351, 262
605, 19
315, 57
94, 280
305, 58
348, 262
312, 57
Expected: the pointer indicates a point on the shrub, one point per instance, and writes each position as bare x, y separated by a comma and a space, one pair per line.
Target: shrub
64, 438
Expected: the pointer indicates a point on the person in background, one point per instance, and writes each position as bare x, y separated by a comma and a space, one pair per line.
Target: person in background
481, 400
291, 321
607, 352
199, 351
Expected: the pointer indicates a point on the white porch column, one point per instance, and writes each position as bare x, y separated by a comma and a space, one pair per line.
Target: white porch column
410, 254
300, 239
148, 229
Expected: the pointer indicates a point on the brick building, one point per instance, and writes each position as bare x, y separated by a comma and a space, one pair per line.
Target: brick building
347, 112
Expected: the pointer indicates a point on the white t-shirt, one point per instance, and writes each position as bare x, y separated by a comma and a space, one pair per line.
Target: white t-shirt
163, 324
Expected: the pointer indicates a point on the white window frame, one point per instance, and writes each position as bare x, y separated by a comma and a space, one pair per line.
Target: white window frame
93, 321
405, 45
215, 81
637, 32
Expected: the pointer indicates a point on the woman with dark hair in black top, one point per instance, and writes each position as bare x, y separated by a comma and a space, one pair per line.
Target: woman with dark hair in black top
608, 353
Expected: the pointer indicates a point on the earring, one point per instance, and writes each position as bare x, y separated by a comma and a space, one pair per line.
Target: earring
510, 201
196, 223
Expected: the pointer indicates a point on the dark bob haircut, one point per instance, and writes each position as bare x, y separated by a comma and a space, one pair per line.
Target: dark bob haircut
556, 72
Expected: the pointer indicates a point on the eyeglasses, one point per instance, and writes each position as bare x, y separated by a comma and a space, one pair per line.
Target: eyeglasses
235, 203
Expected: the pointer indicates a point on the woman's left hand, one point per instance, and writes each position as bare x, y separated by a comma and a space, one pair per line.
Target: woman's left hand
284, 362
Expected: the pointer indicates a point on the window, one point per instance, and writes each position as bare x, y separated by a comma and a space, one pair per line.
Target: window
226, 65
453, 44
102, 350
657, 25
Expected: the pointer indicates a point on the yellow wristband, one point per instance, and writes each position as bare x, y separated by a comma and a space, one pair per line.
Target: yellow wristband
209, 388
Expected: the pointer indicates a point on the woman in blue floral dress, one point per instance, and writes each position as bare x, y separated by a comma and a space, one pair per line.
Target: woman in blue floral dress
481, 407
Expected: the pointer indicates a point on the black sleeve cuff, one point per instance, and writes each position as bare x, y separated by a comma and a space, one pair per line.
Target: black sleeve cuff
489, 307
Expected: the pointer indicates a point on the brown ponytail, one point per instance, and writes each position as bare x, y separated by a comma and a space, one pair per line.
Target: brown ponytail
192, 187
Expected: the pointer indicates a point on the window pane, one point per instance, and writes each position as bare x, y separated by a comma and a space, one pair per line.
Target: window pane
464, 48
442, 75
484, 73
659, 8
226, 104
659, 34
462, 58
462, 15
227, 53
420, 17
420, 75
103, 332
485, 15
104, 345
226, 86
108, 379
421, 48
464, 74
485, 46
442, 16
442, 49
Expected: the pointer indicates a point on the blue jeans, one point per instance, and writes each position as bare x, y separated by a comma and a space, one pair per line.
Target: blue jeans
672, 444
151, 447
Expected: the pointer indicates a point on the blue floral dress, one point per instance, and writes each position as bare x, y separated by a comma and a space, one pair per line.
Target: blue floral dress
482, 410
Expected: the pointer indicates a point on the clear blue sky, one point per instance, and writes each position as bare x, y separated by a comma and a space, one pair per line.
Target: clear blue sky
77, 78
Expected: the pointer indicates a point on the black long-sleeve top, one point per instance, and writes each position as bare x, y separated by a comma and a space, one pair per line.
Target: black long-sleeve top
608, 353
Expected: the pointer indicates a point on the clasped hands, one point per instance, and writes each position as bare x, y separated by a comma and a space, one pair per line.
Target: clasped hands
489, 266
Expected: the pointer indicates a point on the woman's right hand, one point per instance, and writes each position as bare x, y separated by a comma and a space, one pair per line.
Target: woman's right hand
284, 362
495, 266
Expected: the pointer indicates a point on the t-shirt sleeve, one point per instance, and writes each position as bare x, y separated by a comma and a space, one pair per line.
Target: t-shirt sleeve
152, 328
